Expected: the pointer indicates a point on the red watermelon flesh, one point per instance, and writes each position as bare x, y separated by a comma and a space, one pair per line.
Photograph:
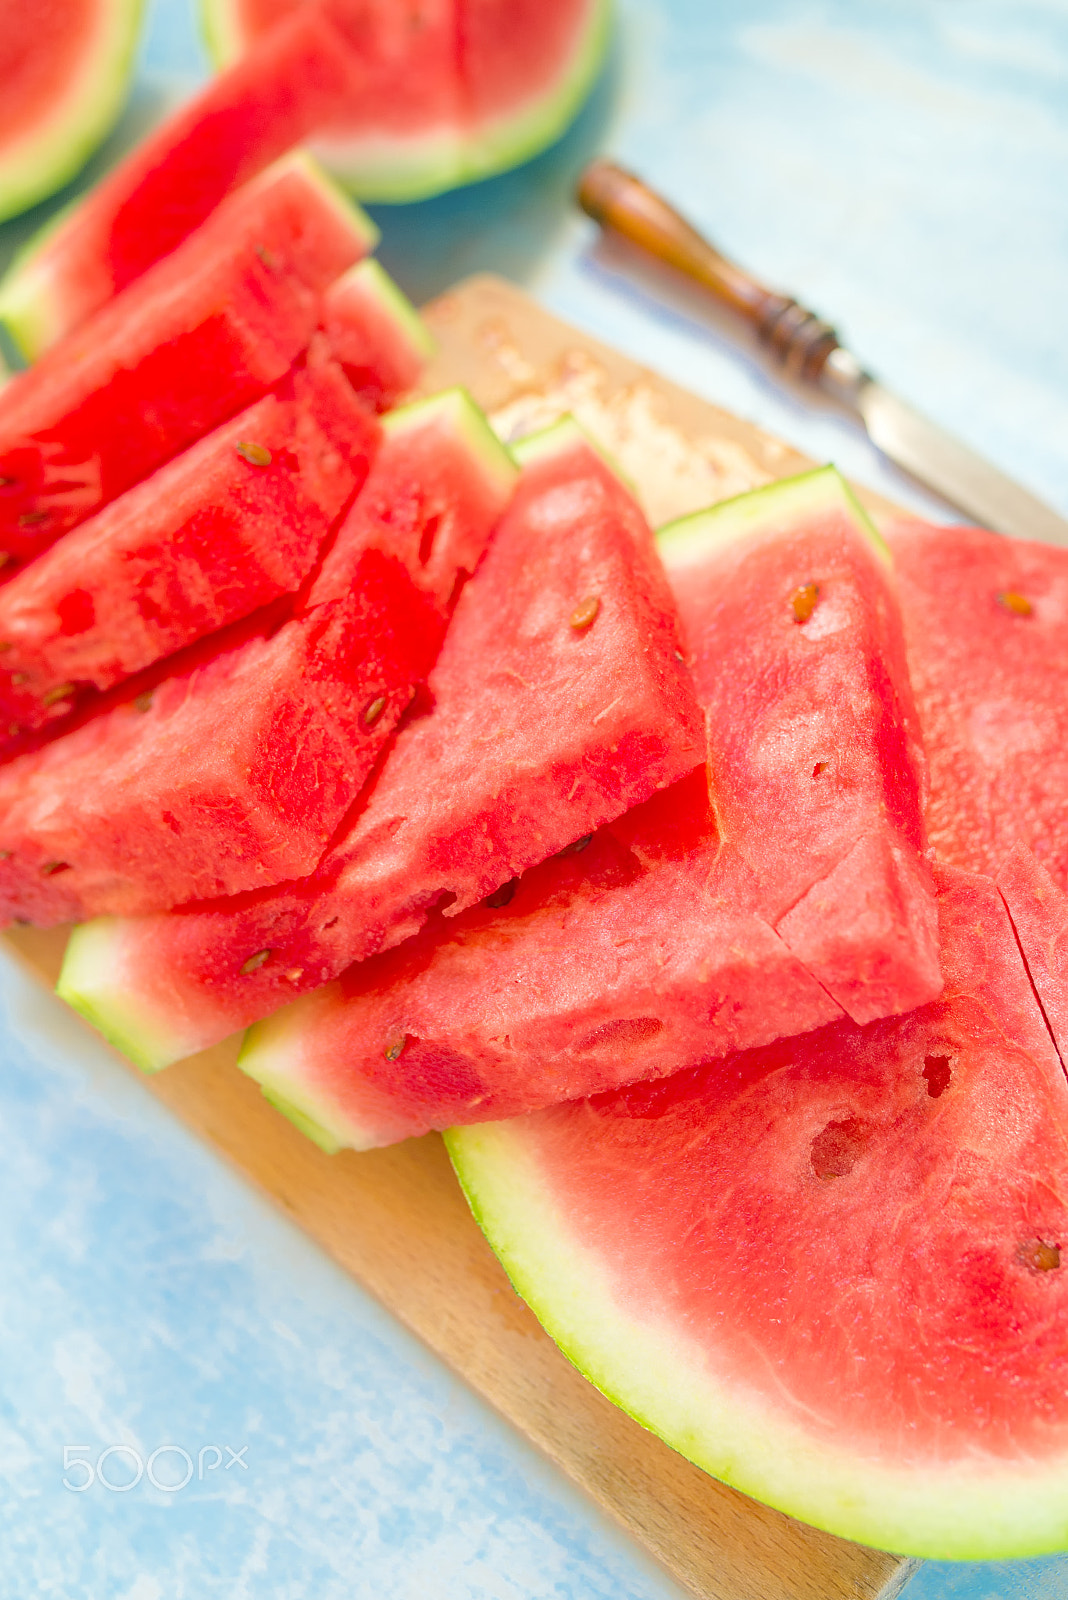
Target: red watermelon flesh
665, 941
1039, 912
204, 334
828, 1271
375, 333
986, 624
229, 777
542, 727
228, 526
285, 87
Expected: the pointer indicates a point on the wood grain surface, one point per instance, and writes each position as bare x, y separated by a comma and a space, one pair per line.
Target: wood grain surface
395, 1219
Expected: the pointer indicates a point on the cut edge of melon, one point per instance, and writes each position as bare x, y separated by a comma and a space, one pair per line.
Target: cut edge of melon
92, 983
464, 419
565, 434
689, 540
372, 282
271, 1055
48, 155
351, 213
660, 1377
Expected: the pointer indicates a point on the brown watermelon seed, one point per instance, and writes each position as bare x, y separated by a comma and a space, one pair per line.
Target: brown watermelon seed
1018, 604
257, 455
584, 613
937, 1073
61, 691
50, 868
5, 855
143, 702
836, 1148
395, 1046
19, 678
32, 519
5, 644
1041, 1256
254, 963
7, 559
13, 729
576, 847
502, 896
8, 483
373, 711
820, 767
803, 601
268, 257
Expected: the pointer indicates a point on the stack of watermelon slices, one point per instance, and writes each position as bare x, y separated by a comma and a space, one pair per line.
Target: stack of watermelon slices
711, 890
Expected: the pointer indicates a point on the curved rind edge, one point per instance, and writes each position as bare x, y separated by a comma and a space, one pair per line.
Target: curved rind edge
91, 983
661, 1378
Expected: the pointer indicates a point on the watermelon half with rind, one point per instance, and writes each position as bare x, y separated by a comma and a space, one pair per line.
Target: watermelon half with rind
66, 69
829, 1272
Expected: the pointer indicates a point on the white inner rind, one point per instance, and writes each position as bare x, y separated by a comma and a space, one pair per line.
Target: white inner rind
973, 1507
94, 981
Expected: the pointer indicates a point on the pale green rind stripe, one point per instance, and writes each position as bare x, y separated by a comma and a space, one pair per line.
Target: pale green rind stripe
691, 539
467, 421
352, 215
27, 306
272, 1054
374, 282
47, 157
92, 982
557, 438
966, 1509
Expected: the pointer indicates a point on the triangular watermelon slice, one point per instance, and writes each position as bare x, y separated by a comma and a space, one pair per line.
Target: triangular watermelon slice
831, 1272
686, 929
235, 773
560, 699
230, 525
194, 341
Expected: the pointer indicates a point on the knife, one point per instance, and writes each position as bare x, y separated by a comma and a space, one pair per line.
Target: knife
809, 350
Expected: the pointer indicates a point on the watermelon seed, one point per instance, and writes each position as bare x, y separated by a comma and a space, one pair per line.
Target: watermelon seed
426, 542
143, 702
1039, 1255
835, 1151
373, 711
5, 644
254, 963
584, 613
395, 1046
257, 455
5, 855
8, 483
13, 729
803, 601
19, 678
577, 846
31, 519
50, 868
61, 691
7, 559
268, 258
501, 897
821, 766
1018, 604
937, 1073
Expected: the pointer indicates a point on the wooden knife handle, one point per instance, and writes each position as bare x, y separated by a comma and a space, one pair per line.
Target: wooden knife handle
618, 200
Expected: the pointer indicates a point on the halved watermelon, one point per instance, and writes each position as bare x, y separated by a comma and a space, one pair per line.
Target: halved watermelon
287, 86
65, 71
672, 938
829, 1272
456, 89
209, 330
375, 332
233, 523
559, 699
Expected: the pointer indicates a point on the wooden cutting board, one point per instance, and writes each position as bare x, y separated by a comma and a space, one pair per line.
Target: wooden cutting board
395, 1219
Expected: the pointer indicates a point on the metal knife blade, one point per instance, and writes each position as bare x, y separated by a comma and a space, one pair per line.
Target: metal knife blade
808, 349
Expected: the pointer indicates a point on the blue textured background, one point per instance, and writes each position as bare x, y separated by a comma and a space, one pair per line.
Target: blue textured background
902, 167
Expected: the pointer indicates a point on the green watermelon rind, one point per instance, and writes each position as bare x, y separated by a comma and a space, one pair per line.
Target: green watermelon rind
48, 158
690, 540
402, 170
558, 437
266, 1044
375, 284
26, 307
91, 982
467, 421
950, 1511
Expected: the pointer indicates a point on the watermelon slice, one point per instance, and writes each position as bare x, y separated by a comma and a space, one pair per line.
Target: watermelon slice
830, 1271
62, 85
376, 334
230, 525
551, 713
456, 89
269, 102
194, 341
685, 929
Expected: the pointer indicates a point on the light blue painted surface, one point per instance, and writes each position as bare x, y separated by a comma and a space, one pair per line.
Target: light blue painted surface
902, 167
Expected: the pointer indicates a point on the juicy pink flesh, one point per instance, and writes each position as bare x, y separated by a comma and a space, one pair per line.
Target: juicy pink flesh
671, 939
539, 733
205, 541
859, 1209
230, 777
